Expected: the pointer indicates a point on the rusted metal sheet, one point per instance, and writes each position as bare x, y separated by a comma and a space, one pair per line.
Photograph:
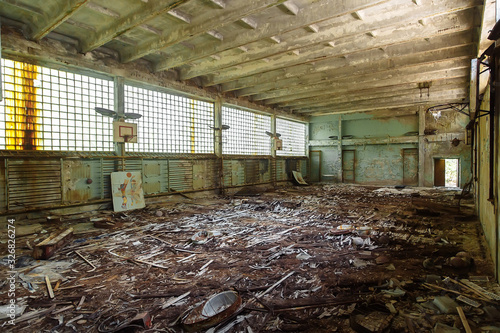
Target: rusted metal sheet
107, 167
280, 170
33, 183
265, 170
204, 174
180, 175
252, 175
227, 174
76, 181
238, 172
154, 178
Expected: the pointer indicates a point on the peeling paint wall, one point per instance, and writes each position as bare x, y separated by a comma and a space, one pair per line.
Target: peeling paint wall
440, 132
486, 210
377, 160
379, 142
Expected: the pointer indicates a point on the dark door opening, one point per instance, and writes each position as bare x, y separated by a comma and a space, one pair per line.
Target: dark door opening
348, 166
446, 172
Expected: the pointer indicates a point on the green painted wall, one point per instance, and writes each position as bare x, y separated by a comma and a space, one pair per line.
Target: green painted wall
379, 142
488, 215
376, 162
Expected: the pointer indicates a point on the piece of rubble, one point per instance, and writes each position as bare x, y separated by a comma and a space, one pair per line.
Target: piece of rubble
443, 328
213, 311
445, 304
49, 246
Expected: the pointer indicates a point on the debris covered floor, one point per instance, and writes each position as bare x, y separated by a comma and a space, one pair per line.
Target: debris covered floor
326, 258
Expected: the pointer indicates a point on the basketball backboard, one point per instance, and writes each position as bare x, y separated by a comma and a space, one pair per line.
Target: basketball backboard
124, 132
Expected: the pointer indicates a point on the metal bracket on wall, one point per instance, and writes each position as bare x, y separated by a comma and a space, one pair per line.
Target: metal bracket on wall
484, 113
459, 107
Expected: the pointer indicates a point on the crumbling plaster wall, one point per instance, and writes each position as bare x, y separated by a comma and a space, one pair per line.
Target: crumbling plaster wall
446, 126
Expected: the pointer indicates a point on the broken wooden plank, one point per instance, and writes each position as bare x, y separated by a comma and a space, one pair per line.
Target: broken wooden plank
464, 319
88, 262
35, 314
47, 248
49, 287
274, 285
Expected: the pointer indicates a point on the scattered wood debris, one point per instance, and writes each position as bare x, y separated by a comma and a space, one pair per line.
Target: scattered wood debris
326, 258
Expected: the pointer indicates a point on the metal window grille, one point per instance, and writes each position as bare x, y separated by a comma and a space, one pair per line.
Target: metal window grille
247, 132
49, 109
170, 123
293, 135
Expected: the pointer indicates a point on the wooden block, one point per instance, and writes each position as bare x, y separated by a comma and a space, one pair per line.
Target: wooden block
47, 248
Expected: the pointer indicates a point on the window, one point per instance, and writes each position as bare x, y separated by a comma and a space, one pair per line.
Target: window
49, 109
293, 135
247, 132
170, 123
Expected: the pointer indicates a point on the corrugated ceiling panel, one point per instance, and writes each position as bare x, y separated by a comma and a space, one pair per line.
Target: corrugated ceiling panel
180, 175
33, 184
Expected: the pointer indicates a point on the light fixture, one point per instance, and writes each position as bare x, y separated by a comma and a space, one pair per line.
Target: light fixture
223, 127
115, 115
272, 135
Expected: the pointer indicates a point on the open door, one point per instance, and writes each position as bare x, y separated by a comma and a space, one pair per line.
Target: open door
439, 172
446, 172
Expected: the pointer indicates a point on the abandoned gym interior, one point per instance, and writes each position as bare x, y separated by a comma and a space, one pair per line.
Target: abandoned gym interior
249, 166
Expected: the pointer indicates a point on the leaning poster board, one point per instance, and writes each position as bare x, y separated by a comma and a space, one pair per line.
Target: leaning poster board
126, 189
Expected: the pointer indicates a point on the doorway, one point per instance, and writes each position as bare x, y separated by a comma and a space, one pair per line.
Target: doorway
410, 166
315, 165
446, 172
348, 166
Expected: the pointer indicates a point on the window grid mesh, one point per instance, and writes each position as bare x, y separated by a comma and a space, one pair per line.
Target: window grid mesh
49, 109
293, 135
247, 132
170, 123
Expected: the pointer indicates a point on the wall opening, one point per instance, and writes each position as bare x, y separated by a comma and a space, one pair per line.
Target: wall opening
446, 172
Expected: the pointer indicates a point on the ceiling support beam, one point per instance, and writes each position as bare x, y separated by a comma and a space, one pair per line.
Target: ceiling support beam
233, 12
282, 24
377, 104
356, 95
323, 69
124, 24
315, 51
443, 69
226, 72
54, 18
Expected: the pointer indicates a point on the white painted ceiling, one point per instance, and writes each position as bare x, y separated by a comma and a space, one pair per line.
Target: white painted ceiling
309, 57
